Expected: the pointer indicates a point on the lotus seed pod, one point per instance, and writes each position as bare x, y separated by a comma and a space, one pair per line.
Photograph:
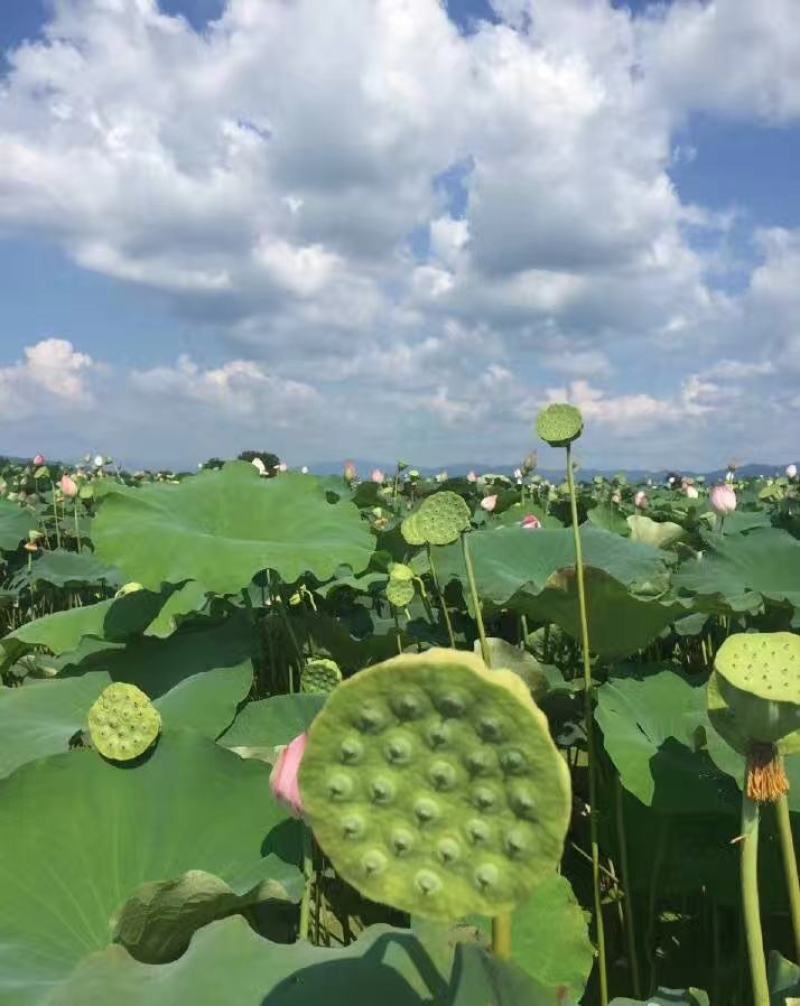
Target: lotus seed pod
559, 424
123, 722
758, 679
400, 588
410, 530
442, 517
433, 785
320, 675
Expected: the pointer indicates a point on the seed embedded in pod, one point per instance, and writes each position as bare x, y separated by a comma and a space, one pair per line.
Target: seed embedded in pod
485, 798
487, 876
442, 775
427, 882
479, 831
448, 850
340, 786
382, 790
351, 750
407, 706
513, 761
401, 840
480, 761
373, 862
523, 802
438, 736
398, 749
491, 728
353, 826
426, 810
517, 842
452, 703
371, 718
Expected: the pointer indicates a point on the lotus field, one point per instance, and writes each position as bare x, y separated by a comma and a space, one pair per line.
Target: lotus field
270, 738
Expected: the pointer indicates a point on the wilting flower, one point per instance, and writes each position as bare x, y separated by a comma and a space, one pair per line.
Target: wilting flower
259, 466
531, 522
39, 460
350, 472
283, 779
472, 477
489, 503
723, 500
378, 476
791, 471
68, 486
640, 500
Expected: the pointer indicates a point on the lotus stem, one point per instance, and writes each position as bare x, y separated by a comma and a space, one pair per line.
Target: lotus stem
750, 900
55, 514
308, 873
77, 525
440, 595
591, 751
501, 936
789, 866
630, 928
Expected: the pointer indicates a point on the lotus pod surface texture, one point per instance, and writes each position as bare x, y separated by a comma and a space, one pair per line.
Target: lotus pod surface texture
559, 424
400, 588
758, 678
411, 531
442, 517
433, 785
123, 722
320, 675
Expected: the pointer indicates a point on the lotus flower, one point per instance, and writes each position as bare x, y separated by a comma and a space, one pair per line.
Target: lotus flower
791, 471
616, 498
640, 500
691, 491
68, 486
489, 503
723, 500
304, 470
531, 522
99, 461
259, 466
518, 474
350, 472
283, 467
283, 779
472, 477
378, 476
39, 460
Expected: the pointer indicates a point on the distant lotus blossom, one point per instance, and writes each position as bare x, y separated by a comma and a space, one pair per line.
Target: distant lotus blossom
616, 498
283, 467
530, 522
39, 460
68, 486
730, 476
472, 477
99, 461
489, 503
378, 476
304, 470
791, 471
350, 472
723, 500
283, 780
691, 491
442, 477
259, 466
640, 500
518, 474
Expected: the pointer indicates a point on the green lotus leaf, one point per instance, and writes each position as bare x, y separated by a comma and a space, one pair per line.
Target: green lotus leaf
15, 523
420, 780
650, 532
270, 723
89, 833
221, 527
522, 663
481, 979
559, 424
442, 517
123, 722
184, 601
64, 569
667, 997
610, 518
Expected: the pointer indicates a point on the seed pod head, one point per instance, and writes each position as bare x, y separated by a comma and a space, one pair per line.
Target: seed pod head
400, 588
442, 518
320, 675
433, 785
411, 531
123, 722
559, 424
755, 694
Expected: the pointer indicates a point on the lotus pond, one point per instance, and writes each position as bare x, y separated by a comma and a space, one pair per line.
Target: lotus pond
548, 737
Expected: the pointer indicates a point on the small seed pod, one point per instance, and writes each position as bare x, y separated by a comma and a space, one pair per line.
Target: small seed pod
123, 722
442, 517
320, 675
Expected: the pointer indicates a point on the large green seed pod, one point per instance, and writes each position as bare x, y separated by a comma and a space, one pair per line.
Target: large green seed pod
320, 675
559, 424
400, 588
442, 517
123, 722
433, 785
410, 530
758, 680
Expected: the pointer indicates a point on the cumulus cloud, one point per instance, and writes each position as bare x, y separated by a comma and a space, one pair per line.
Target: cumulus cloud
53, 376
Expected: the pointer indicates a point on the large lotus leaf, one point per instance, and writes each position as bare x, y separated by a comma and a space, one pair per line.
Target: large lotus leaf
481, 979
39, 717
64, 569
502, 655
86, 834
272, 722
653, 729
188, 599
228, 963
197, 677
222, 527
650, 532
766, 561
508, 559
15, 523
609, 517
619, 622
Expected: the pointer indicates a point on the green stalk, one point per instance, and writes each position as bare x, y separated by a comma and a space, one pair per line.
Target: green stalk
630, 927
308, 873
55, 514
77, 525
750, 900
789, 867
501, 924
440, 595
590, 742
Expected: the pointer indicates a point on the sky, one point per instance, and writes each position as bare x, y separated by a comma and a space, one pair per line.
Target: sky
398, 228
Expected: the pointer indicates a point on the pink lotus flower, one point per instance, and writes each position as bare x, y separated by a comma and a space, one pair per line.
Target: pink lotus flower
691, 491
489, 503
640, 500
283, 780
378, 476
723, 500
68, 486
350, 472
531, 522
472, 477
39, 460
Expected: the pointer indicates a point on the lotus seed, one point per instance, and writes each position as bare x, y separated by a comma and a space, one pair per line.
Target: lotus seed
480, 761
487, 875
351, 751
340, 786
408, 706
516, 842
427, 882
353, 826
479, 831
439, 735
371, 719
452, 704
442, 775
398, 750
426, 810
484, 798
373, 862
513, 761
490, 728
523, 803
401, 841
448, 850
382, 790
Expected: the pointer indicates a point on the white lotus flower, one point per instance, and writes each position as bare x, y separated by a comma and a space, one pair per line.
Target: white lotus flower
259, 466
791, 471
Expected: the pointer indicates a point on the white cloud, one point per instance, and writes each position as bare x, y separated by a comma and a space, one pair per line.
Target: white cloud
53, 375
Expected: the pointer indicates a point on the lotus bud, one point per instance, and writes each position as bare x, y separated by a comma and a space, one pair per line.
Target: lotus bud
68, 487
530, 463
791, 471
442, 477
39, 460
730, 475
350, 473
518, 474
640, 500
472, 477
723, 500
259, 466
283, 778
530, 522
378, 476
489, 503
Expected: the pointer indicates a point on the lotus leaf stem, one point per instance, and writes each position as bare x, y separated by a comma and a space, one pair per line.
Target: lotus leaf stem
308, 873
630, 927
440, 595
590, 740
789, 866
750, 900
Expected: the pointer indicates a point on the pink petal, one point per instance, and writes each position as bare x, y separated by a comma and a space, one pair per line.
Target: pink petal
283, 780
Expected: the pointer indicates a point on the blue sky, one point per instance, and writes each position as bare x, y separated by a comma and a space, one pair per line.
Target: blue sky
399, 231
